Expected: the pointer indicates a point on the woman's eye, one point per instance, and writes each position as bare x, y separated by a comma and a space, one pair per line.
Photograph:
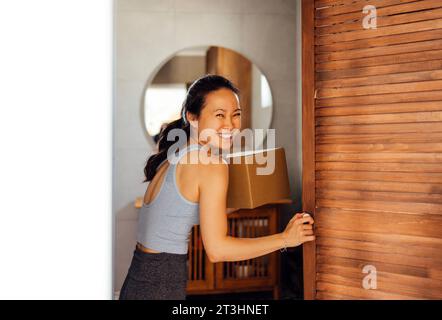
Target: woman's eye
220, 115
237, 114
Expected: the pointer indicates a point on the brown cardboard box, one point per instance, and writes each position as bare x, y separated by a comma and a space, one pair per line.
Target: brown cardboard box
253, 183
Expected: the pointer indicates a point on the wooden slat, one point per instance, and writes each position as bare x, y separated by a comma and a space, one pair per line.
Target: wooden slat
322, 295
389, 277
228, 265
387, 186
378, 196
431, 65
381, 98
380, 108
354, 6
424, 285
200, 257
383, 79
379, 176
420, 46
381, 21
424, 127
374, 33
380, 147
393, 238
414, 137
254, 230
381, 157
379, 167
195, 256
382, 206
329, 3
419, 86
353, 12
248, 235
412, 37
389, 59
383, 286
404, 117
190, 256
387, 267
380, 247
360, 292
392, 258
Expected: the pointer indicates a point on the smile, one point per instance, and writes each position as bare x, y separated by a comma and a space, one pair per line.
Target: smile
226, 136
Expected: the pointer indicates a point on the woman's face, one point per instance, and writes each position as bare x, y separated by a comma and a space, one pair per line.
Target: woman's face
219, 119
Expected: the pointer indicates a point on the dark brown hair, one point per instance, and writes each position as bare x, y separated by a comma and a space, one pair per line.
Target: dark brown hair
194, 103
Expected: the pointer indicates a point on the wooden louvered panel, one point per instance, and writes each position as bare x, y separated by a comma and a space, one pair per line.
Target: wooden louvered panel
376, 138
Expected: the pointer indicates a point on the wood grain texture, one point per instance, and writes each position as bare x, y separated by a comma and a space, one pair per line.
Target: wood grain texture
377, 148
308, 141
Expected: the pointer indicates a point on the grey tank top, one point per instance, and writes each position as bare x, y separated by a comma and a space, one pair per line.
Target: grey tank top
165, 223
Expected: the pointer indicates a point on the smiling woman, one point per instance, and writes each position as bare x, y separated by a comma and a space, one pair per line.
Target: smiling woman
167, 89
181, 195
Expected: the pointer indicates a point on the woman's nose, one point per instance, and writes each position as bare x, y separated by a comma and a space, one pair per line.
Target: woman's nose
228, 124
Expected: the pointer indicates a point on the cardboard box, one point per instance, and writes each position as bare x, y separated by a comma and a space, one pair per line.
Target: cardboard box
257, 177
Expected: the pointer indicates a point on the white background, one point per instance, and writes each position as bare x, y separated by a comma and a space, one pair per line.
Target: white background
56, 149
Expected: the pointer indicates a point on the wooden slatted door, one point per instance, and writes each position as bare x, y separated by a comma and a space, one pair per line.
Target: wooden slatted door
372, 148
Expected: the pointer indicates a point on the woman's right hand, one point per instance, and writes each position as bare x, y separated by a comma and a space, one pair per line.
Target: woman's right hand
296, 232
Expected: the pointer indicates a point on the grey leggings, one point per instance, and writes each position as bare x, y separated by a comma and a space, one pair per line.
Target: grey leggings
155, 276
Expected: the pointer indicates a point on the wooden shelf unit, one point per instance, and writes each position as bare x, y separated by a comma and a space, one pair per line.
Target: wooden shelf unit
258, 274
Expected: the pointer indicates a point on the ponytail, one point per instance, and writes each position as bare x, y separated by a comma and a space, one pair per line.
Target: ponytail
163, 146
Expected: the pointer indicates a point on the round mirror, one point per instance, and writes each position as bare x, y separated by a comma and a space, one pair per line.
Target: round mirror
167, 90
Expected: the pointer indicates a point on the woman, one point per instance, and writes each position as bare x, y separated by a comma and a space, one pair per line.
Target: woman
182, 193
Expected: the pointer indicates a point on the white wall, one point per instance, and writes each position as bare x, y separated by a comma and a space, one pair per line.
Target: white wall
150, 32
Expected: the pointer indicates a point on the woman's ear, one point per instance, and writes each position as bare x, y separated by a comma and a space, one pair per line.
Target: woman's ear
192, 119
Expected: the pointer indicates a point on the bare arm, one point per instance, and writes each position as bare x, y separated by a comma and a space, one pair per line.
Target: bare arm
219, 246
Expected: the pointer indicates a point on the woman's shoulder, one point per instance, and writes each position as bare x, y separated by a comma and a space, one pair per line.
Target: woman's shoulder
211, 161
198, 160
213, 168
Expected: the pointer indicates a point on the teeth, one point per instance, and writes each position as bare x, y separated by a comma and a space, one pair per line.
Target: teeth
225, 135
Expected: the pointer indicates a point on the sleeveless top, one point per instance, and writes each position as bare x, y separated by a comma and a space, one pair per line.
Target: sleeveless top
165, 223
